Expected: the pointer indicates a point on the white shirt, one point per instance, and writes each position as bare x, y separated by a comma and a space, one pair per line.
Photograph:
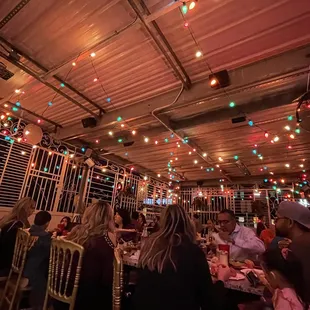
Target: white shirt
246, 244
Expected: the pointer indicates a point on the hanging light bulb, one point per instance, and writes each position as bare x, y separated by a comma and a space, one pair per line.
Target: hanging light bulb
184, 8
198, 54
192, 5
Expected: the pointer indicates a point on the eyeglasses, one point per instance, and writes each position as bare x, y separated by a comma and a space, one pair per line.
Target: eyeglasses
225, 222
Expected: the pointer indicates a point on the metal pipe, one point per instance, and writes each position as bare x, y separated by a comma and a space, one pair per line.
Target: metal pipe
207, 159
34, 75
101, 111
163, 38
159, 45
13, 12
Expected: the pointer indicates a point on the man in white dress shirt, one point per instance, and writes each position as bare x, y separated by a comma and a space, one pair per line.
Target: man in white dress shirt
242, 240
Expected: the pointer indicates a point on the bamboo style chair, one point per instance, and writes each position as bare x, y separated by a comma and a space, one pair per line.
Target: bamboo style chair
64, 272
14, 287
117, 279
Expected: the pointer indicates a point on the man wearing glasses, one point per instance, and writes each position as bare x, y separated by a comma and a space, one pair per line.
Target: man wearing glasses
242, 240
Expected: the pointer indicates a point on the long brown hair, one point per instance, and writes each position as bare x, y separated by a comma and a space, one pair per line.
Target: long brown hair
97, 220
175, 227
22, 209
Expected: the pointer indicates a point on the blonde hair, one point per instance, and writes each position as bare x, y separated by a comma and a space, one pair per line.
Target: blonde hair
22, 209
175, 227
97, 220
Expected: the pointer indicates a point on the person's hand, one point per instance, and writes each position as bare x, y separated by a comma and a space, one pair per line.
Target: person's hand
224, 235
284, 243
224, 273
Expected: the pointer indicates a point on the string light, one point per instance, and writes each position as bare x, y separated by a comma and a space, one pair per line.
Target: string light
133, 132
288, 128
220, 158
74, 64
204, 154
290, 118
122, 125
62, 85
50, 103
97, 141
95, 79
119, 119
232, 104
93, 55
287, 165
17, 91
156, 142
158, 175
120, 140
250, 123
192, 5
184, 8
236, 157
186, 24
276, 139
266, 134
110, 133
292, 136
297, 130
195, 161
146, 139
198, 54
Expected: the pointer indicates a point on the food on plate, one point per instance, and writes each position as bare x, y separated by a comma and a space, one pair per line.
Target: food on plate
236, 264
249, 264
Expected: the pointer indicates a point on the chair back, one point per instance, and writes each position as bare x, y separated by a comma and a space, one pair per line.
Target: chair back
12, 286
64, 272
117, 279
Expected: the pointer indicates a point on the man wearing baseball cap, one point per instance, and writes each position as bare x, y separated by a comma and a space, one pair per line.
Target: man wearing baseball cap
293, 223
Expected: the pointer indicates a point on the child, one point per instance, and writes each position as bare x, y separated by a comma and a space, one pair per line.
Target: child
284, 275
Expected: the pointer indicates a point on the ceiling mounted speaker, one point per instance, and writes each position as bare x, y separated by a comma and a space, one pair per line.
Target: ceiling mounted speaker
89, 122
238, 119
219, 79
33, 133
126, 144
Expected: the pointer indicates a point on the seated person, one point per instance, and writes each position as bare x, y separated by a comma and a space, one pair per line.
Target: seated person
9, 225
123, 221
242, 240
154, 225
64, 227
37, 260
283, 273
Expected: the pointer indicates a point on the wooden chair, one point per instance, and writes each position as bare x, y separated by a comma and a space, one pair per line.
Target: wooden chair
117, 279
64, 272
13, 288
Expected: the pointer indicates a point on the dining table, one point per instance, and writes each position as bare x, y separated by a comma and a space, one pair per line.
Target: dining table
239, 283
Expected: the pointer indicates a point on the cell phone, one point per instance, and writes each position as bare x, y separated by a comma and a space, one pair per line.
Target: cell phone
253, 279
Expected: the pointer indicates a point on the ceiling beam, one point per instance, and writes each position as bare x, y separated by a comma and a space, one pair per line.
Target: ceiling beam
256, 75
174, 63
55, 89
57, 78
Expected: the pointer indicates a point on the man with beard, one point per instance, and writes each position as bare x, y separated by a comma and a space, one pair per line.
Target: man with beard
293, 223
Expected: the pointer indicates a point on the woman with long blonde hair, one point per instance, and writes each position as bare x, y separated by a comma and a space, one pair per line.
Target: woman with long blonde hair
96, 235
17, 218
174, 271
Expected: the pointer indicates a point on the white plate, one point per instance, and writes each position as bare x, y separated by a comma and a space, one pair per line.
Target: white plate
238, 277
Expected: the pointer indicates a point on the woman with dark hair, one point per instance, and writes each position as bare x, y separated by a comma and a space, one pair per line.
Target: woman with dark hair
284, 274
124, 226
64, 227
175, 274
9, 225
261, 225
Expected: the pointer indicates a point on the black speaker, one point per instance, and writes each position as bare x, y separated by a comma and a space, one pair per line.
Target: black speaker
128, 143
90, 122
219, 79
239, 119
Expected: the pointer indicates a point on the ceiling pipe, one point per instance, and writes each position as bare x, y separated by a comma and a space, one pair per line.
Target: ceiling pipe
159, 45
190, 144
11, 46
34, 75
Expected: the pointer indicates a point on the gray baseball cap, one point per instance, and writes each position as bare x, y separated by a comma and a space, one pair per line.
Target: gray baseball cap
296, 212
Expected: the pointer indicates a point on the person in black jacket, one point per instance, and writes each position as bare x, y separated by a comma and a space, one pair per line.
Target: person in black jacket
37, 260
174, 271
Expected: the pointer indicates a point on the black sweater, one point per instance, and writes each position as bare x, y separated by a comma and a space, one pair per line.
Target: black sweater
190, 288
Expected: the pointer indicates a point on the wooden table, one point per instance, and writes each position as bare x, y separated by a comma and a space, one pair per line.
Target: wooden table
240, 285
